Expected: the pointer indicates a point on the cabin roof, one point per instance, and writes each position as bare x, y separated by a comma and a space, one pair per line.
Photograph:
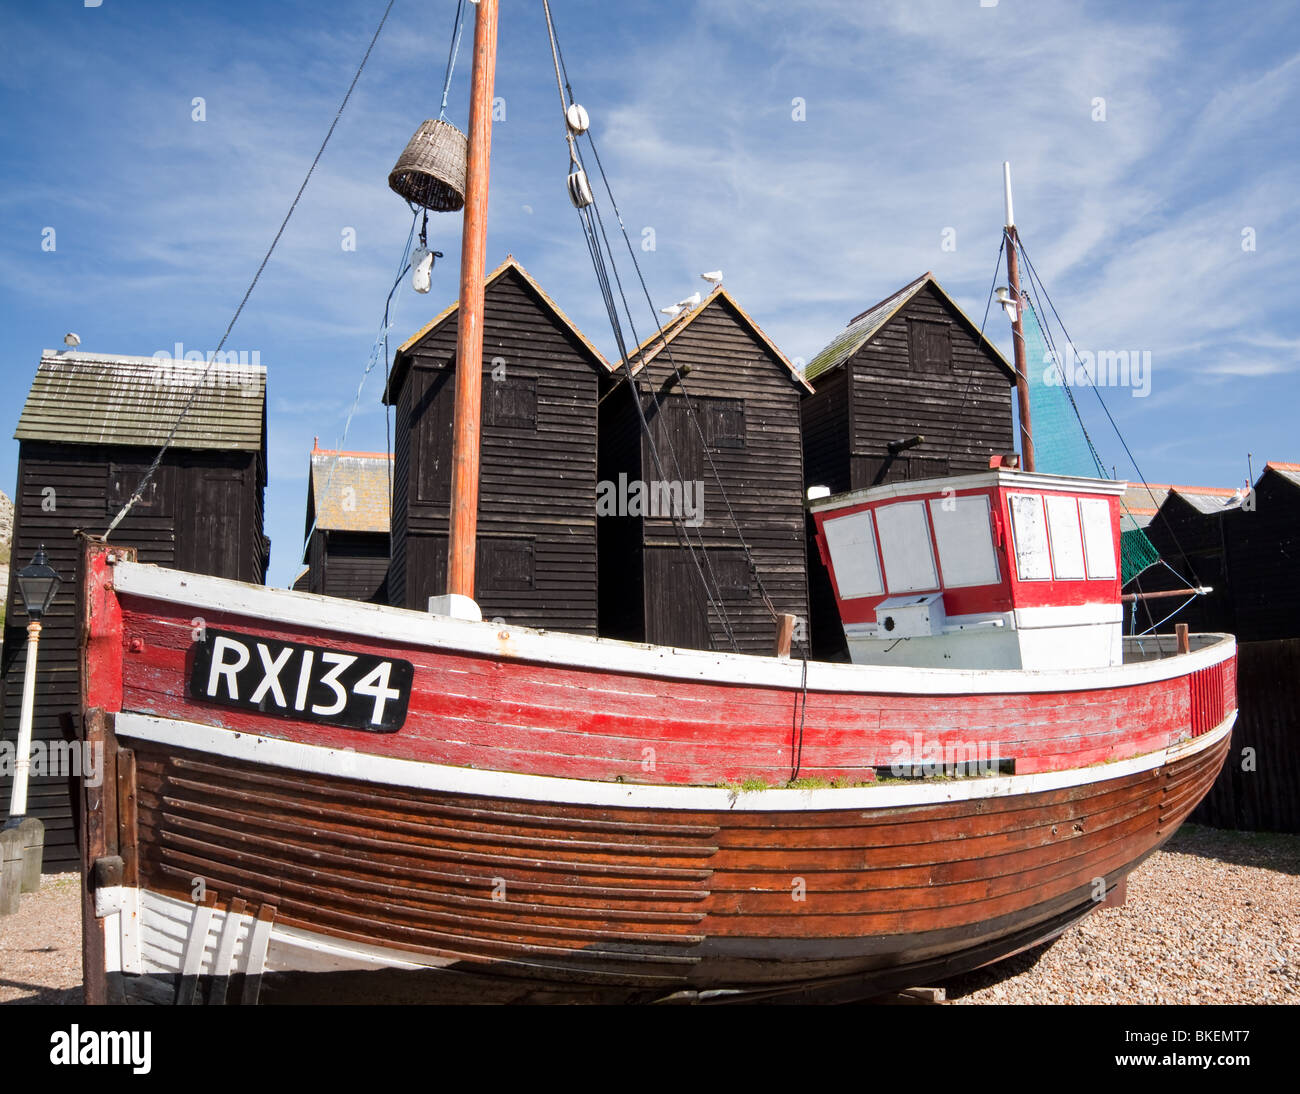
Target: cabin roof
100, 398
662, 338
866, 325
402, 358
349, 490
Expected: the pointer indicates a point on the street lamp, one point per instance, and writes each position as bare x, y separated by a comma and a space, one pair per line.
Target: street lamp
24, 839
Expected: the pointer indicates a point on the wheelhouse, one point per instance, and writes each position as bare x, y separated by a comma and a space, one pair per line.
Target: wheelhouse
1001, 569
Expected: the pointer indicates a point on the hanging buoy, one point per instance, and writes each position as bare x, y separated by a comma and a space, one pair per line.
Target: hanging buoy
577, 118
430, 172
421, 269
579, 189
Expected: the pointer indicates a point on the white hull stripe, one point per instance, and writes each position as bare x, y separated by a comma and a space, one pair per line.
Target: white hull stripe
389, 771
504, 641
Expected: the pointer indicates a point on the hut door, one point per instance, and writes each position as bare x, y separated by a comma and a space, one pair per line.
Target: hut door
674, 615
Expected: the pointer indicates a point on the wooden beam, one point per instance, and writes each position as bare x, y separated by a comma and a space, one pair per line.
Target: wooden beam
784, 634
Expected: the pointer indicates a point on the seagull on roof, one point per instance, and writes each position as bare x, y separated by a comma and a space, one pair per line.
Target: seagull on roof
690, 301
714, 277
672, 309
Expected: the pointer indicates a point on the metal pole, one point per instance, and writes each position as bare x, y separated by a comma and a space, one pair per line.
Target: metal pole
469, 321
22, 762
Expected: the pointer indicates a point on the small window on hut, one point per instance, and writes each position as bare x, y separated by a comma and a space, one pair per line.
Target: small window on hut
511, 403
124, 479
931, 346
505, 565
731, 572
725, 420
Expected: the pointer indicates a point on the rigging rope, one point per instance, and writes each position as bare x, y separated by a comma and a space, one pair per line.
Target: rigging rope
456, 28
380, 343
1036, 280
594, 233
575, 157
189, 403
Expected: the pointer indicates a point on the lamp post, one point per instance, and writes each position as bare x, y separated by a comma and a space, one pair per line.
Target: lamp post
23, 838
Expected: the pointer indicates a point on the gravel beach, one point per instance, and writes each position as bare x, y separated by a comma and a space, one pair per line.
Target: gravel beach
1212, 918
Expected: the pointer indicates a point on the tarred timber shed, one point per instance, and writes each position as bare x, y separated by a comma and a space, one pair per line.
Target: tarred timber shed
909, 390
347, 525
720, 400
90, 427
537, 502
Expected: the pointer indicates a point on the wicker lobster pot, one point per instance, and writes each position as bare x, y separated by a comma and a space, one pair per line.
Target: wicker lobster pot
430, 172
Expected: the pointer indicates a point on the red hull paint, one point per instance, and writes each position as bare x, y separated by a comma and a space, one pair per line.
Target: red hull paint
538, 719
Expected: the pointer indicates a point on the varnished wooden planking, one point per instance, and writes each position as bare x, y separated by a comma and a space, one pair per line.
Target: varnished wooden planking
320, 886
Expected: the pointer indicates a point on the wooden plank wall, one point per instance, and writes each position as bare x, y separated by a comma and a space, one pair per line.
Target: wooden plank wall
351, 565
762, 478
203, 515
1266, 799
964, 412
537, 501
880, 395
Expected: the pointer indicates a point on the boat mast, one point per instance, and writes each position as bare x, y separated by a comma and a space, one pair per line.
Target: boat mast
1017, 330
469, 324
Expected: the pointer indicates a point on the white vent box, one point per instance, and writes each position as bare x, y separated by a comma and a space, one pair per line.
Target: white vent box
916, 616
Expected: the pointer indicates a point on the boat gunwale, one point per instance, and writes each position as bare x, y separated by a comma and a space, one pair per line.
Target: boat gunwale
373, 623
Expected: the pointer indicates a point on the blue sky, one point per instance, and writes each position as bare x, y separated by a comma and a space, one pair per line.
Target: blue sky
1135, 222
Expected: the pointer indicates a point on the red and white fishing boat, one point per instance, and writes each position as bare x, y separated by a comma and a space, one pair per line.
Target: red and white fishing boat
313, 798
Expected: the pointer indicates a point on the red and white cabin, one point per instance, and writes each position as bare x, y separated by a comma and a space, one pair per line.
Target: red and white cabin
1002, 569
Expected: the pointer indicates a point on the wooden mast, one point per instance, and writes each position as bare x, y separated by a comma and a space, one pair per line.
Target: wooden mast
1017, 330
469, 323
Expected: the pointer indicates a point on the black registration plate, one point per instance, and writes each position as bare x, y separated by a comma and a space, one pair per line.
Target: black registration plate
293, 680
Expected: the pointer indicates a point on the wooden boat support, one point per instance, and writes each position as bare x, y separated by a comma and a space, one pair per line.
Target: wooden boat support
564, 818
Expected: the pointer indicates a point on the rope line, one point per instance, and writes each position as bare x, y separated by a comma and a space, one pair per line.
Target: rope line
189, 403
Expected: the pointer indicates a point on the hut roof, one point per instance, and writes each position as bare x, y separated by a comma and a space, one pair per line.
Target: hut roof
1288, 471
865, 326
657, 342
98, 398
1143, 500
401, 359
349, 490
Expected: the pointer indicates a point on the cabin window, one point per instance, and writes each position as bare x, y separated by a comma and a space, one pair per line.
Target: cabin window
1067, 541
1029, 531
1098, 537
851, 542
905, 547
930, 346
512, 403
964, 536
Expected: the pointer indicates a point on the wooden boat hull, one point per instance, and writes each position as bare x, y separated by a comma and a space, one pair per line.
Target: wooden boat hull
397, 890
234, 853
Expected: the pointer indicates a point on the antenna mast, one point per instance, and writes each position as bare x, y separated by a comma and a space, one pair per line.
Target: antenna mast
1017, 329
